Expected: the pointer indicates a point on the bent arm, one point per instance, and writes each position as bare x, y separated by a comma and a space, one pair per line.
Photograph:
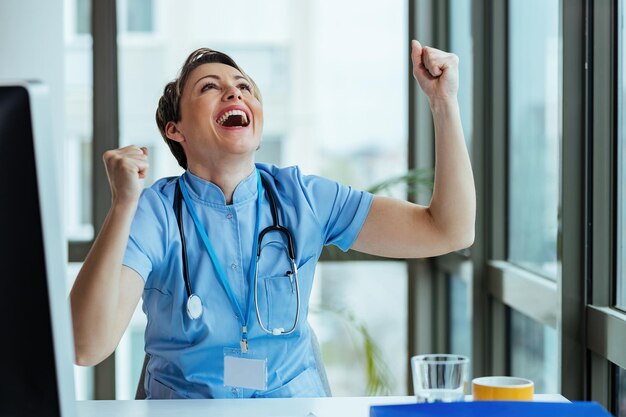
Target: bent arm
105, 294
396, 228
453, 204
399, 229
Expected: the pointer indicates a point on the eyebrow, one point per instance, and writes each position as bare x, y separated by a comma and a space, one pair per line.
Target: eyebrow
217, 77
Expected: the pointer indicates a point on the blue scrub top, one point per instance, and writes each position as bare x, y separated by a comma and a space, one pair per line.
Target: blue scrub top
187, 356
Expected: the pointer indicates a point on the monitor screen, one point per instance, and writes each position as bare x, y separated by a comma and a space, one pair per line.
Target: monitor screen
36, 352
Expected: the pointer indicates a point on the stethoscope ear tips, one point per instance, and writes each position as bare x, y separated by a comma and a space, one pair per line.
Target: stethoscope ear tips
194, 307
278, 331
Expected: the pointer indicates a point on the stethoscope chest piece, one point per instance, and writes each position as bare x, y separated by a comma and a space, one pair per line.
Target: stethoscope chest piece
194, 303
194, 307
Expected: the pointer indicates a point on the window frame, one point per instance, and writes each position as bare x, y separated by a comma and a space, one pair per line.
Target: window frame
106, 135
496, 283
507, 285
589, 326
605, 324
590, 329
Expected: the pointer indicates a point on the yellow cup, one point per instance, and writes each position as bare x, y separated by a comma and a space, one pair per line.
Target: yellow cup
502, 388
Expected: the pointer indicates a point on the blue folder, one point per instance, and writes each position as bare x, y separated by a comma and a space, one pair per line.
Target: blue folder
491, 409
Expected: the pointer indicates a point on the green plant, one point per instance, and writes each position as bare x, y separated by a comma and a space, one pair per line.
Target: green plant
379, 379
415, 178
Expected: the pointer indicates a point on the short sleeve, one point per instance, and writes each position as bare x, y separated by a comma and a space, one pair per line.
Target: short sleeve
340, 209
147, 242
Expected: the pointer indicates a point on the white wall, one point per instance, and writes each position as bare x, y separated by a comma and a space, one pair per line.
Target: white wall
31, 47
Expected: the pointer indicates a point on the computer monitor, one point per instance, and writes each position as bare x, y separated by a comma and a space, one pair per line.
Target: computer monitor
36, 340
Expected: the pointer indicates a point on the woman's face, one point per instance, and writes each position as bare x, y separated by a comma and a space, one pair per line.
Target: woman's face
220, 116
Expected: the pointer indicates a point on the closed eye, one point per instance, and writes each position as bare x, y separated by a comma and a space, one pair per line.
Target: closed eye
244, 86
208, 86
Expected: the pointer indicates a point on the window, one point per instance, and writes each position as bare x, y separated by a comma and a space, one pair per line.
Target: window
77, 167
130, 356
620, 397
458, 279
462, 45
460, 325
78, 124
606, 325
621, 164
139, 16
533, 135
83, 376
349, 295
322, 92
533, 352
305, 58
82, 13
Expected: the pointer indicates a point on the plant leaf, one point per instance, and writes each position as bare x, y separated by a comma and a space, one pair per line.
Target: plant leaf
422, 177
379, 380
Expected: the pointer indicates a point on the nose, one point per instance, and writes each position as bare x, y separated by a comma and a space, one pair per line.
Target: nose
232, 93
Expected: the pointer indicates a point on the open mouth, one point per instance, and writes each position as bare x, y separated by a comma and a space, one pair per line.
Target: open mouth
233, 118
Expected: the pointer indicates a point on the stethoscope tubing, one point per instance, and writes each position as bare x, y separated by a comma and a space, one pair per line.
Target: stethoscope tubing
196, 312
277, 331
181, 229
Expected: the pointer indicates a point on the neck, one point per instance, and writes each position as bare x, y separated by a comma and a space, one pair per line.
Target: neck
225, 175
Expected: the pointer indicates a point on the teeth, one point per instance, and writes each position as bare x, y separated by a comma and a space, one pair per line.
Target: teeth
229, 113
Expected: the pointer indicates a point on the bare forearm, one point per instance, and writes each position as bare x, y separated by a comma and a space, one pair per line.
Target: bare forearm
453, 205
95, 294
399, 229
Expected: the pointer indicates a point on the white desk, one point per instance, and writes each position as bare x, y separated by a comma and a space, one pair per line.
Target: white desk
274, 407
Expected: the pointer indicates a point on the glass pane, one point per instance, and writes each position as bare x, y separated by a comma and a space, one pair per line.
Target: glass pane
320, 81
533, 352
305, 122
621, 165
620, 393
461, 44
129, 357
371, 294
78, 122
83, 375
139, 15
460, 328
354, 64
534, 134
82, 14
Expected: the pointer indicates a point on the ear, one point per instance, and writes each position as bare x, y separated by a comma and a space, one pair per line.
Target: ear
172, 132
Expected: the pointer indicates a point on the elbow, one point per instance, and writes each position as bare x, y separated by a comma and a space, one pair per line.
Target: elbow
456, 232
81, 359
88, 360
464, 235
462, 241
467, 241
89, 357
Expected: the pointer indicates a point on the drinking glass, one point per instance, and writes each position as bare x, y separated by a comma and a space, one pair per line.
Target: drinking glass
439, 377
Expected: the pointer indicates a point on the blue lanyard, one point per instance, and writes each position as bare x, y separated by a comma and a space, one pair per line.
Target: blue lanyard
218, 266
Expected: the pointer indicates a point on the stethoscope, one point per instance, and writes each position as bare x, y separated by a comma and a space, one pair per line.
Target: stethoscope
194, 302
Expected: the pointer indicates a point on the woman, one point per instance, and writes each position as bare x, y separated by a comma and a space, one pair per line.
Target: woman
223, 322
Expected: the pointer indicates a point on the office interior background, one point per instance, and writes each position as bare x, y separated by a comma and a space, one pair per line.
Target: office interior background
542, 292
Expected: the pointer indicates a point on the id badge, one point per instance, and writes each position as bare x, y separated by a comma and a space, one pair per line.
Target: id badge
244, 370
